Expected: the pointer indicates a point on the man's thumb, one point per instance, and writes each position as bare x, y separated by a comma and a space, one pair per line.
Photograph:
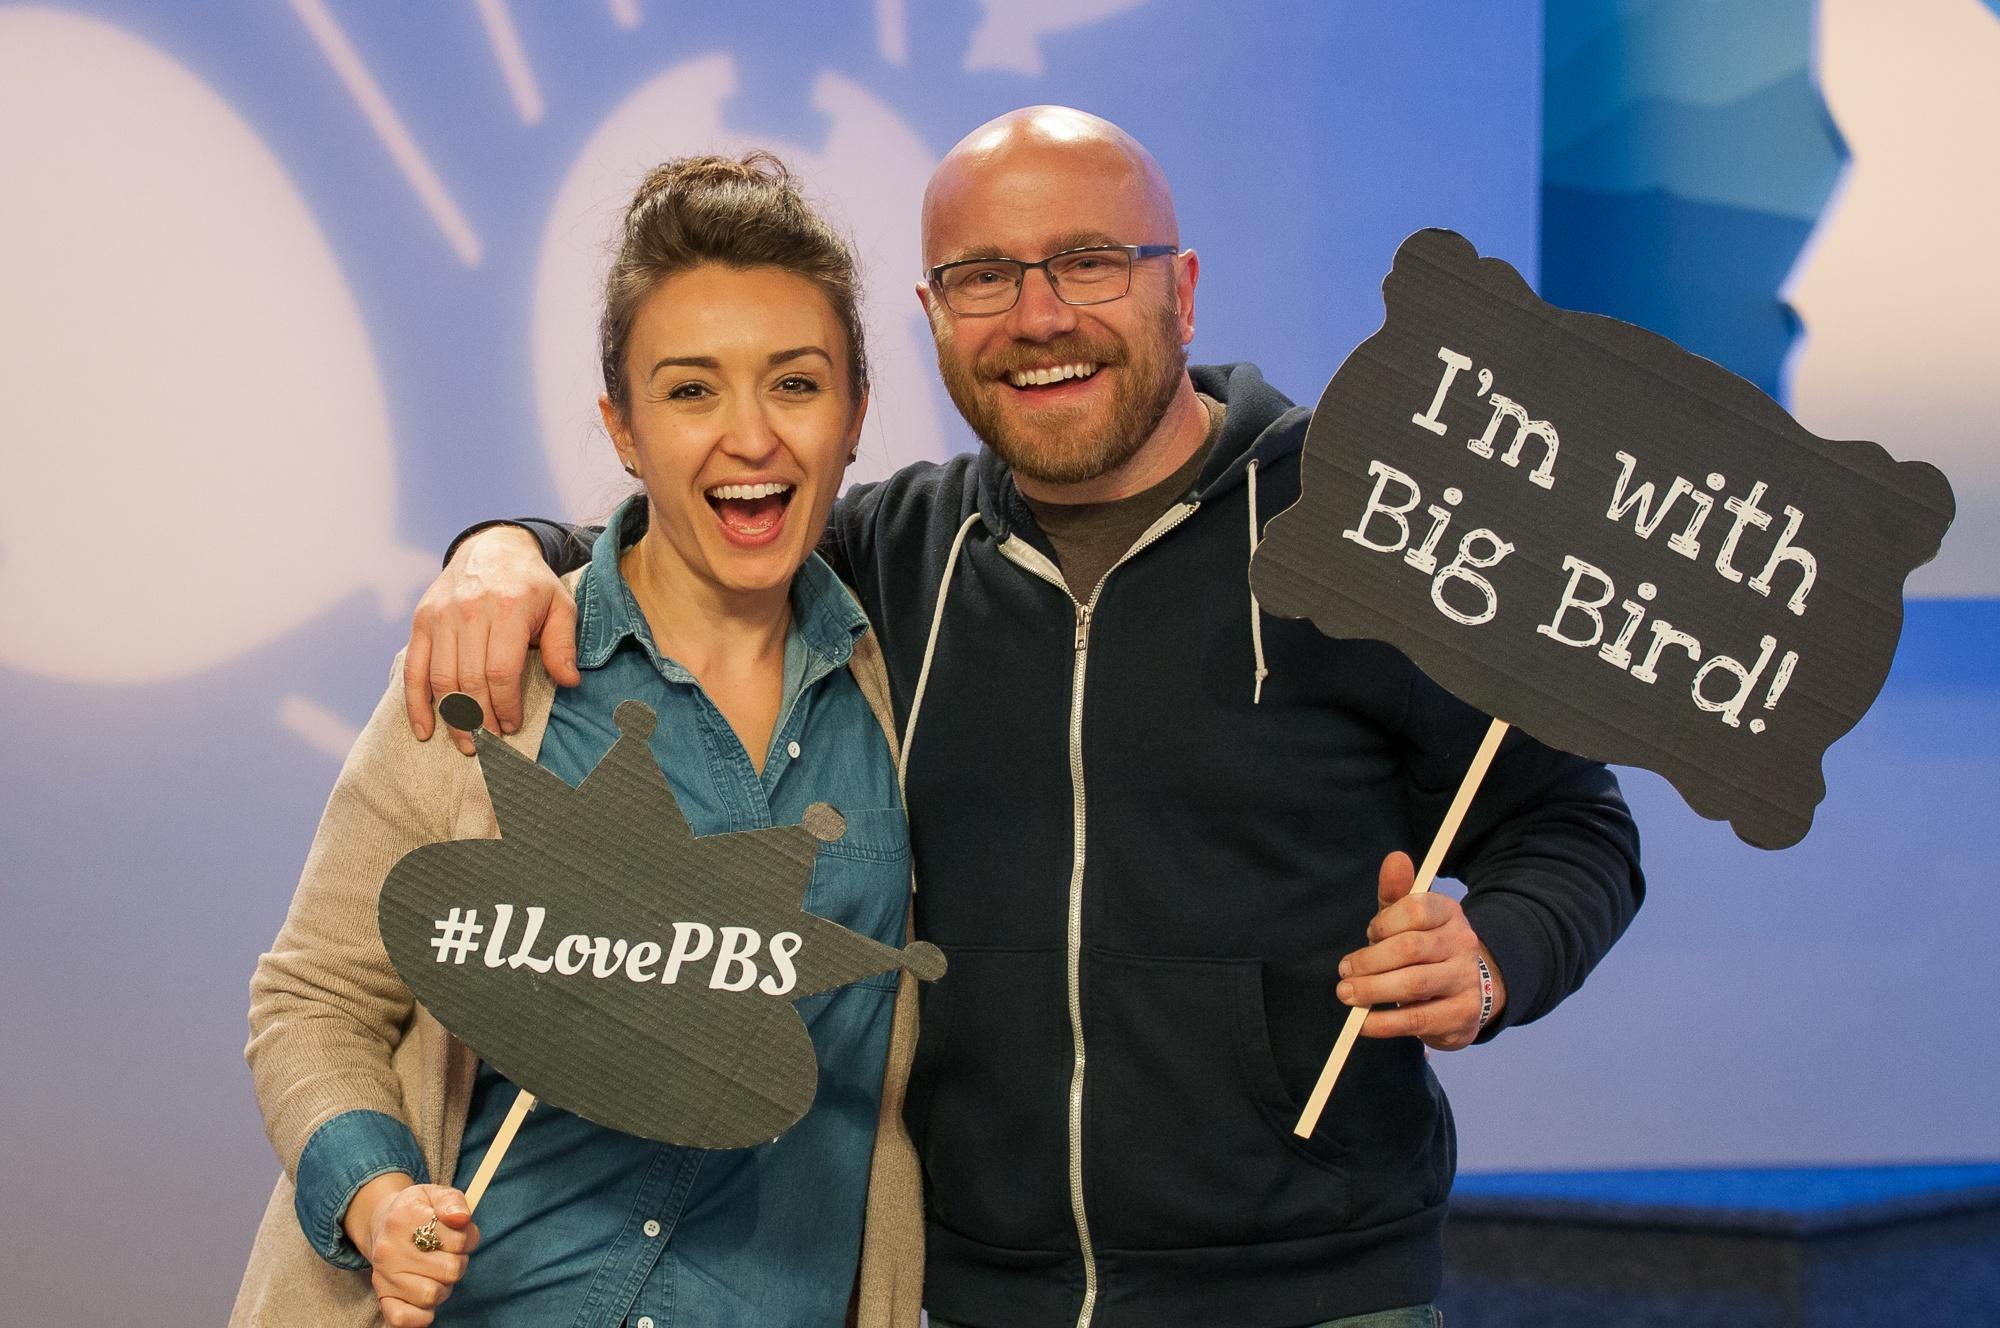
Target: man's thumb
1393, 882
558, 641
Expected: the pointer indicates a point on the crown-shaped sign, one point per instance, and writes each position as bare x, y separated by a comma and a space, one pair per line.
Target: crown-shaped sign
606, 959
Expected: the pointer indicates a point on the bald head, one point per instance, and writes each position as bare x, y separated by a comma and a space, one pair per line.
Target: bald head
1088, 400
1068, 176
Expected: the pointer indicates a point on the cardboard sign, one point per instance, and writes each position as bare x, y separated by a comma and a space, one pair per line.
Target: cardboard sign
1584, 530
607, 961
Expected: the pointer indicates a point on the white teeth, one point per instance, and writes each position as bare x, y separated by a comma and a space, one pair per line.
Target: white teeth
748, 490
1053, 374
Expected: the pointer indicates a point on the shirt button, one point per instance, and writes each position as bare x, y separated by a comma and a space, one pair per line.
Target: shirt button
792, 750
645, 1321
652, 1229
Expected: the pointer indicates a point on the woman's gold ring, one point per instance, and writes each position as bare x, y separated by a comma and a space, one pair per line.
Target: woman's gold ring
425, 1237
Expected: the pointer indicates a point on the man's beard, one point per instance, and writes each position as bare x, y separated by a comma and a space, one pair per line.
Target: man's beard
1058, 451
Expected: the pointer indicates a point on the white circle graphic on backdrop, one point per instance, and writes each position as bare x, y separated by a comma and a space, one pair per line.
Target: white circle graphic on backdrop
1899, 290
869, 178
198, 455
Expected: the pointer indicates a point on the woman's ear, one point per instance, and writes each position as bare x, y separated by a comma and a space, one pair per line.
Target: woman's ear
621, 434
854, 427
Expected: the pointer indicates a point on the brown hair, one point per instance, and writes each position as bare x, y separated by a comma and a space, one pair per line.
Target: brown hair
742, 213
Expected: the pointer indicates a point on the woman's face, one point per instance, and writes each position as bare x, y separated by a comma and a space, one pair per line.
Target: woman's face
740, 420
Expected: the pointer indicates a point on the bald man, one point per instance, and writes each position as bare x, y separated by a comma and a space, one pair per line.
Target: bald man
1161, 837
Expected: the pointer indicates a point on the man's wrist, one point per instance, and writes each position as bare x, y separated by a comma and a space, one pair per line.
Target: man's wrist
1492, 987
499, 523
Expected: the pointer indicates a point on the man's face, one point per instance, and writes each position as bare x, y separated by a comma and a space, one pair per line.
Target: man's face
1110, 369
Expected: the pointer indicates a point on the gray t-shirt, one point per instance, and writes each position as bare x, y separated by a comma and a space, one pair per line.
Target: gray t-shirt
1090, 538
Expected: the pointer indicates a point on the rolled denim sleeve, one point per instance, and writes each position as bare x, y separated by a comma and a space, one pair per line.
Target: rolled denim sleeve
344, 1154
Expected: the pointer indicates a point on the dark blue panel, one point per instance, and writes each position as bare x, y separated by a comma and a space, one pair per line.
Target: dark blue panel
1702, 274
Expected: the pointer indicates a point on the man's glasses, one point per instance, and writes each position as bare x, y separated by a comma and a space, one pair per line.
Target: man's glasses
1096, 274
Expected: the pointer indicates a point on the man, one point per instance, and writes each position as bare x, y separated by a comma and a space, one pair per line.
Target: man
1148, 823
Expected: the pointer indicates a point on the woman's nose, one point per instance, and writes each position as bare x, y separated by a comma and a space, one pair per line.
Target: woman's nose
750, 433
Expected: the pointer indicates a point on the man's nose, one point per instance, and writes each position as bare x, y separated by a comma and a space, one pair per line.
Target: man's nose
1040, 314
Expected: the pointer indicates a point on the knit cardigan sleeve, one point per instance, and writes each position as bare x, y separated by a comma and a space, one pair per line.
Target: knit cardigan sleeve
327, 1010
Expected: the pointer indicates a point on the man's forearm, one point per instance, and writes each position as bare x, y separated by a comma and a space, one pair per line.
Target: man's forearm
564, 547
1552, 889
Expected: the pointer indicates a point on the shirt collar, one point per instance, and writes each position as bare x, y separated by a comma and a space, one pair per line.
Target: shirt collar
824, 615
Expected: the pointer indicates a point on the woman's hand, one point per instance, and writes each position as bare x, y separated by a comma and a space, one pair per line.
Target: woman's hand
382, 1221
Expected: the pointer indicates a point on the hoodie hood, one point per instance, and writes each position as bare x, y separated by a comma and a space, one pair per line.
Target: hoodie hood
1262, 424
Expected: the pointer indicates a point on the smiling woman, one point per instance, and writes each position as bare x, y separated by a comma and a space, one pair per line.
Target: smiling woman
734, 389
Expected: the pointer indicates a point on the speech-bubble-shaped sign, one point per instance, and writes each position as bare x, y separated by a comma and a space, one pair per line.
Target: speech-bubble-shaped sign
607, 960
1618, 546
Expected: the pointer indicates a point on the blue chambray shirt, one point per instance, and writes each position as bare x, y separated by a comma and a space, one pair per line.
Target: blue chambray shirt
589, 1227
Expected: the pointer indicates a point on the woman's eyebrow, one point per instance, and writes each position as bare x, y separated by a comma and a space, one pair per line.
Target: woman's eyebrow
710, 362
799, 352
685, 362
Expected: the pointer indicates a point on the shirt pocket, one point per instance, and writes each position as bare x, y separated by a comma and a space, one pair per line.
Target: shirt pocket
862, 880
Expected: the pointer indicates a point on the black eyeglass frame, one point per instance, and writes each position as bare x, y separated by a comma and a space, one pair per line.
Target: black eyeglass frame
1133, 253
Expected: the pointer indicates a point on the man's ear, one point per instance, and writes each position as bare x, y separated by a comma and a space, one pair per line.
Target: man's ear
1187, 271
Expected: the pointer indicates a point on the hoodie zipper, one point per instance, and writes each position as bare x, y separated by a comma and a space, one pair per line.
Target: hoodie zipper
1033, 560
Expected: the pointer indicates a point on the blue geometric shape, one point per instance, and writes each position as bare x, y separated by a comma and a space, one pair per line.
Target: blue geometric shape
1701, 274
1687, 158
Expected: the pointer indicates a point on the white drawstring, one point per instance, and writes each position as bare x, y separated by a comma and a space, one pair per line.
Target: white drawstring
1256, 614
930, 649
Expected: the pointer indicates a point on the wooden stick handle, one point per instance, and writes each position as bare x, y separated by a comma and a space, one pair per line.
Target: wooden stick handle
1454, 816
524, 1102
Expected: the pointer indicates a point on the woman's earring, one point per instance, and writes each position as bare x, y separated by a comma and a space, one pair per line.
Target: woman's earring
631, 470
853, 456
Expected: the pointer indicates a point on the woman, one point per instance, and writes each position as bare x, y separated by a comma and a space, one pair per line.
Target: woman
734, 388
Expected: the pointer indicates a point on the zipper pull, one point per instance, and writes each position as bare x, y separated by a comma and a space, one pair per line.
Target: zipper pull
1082, 624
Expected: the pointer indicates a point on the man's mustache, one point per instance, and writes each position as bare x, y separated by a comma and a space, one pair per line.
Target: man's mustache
1038, 354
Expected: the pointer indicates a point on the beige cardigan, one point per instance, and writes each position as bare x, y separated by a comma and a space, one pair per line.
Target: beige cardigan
333, 1029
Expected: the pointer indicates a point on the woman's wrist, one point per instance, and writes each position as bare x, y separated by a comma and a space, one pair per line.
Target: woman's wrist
368, 1201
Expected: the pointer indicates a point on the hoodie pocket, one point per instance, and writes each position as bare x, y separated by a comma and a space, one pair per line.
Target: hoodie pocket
1189, 1127
988, 1098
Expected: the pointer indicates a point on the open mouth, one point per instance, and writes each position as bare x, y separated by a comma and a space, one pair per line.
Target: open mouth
750, 511
1052, 376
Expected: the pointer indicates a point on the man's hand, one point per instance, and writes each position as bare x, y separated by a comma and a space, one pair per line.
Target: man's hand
1421, 961
473, 627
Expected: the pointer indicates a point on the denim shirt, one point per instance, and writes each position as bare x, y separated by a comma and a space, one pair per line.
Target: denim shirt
590, 1227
